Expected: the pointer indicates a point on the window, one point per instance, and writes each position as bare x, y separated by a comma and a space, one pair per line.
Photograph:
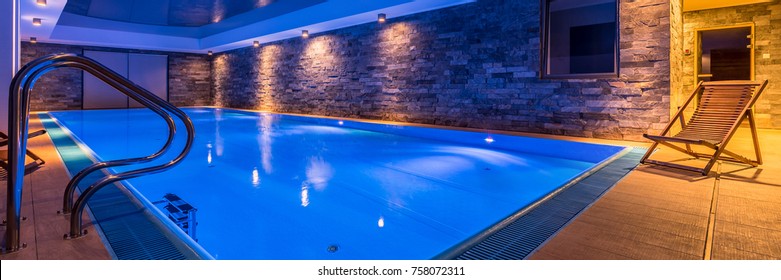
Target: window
580, 38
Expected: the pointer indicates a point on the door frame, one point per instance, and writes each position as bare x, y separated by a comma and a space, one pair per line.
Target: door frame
698, 46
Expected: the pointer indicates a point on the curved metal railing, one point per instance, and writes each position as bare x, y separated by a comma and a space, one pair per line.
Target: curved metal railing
18, 123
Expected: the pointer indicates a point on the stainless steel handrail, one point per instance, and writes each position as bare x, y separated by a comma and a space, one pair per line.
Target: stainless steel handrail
67, 201
18, 124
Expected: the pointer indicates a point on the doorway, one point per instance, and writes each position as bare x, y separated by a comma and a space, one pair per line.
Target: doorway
725, 53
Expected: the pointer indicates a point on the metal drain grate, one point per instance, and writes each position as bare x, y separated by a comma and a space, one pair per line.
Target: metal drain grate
128, 232
522, 236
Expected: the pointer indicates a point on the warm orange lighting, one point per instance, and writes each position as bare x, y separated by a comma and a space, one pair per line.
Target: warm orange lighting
41, 3
305, 33
36, 21
33, 40
381, 18
256, 44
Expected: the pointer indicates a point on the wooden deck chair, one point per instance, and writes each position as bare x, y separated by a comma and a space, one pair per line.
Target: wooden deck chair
36, 160
723, 107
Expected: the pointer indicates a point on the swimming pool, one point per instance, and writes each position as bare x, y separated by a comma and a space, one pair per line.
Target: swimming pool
271, 186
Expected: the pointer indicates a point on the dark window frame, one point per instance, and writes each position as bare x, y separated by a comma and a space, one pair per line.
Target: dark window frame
544, 7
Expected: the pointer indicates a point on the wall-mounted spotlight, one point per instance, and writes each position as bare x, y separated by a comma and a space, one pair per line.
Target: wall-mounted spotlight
37, 21
33, 40
256, 44
210, 53
305, 33
380, 18
40, 2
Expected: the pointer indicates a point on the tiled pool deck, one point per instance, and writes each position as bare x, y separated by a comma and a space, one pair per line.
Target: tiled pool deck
653, 213
663, 213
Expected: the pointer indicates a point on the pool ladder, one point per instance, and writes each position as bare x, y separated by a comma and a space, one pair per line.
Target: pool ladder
180, 212
18, 124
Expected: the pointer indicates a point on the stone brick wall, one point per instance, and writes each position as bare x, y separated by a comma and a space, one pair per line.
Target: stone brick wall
189, 78
767, 20
474, 65
59, 89
676, 55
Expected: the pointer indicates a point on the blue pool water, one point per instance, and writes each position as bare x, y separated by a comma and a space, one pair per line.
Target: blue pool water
270, 186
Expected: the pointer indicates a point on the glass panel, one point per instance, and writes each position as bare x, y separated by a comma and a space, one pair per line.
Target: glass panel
725, 54
580, 37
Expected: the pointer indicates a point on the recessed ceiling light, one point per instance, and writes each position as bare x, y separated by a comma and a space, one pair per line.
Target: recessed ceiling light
33, 40
36, 21
210, 53
380, 18
305, 33
256, 44
40, 2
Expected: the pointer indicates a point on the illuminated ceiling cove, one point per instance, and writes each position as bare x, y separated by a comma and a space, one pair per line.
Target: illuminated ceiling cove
201, 25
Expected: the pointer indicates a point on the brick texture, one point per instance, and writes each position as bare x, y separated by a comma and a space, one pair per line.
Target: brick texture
474, 65
676, 54
59, 89
189, 78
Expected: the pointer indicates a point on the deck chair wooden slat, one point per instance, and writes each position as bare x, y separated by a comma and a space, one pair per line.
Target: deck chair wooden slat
29, 167
722, 108
716, 127
720, 118
713, 117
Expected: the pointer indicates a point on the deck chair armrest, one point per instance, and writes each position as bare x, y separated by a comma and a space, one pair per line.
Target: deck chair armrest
4, 137
36, 133
702, 142
658, 138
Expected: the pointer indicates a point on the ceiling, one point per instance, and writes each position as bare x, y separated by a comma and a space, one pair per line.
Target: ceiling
201, 25
694, 5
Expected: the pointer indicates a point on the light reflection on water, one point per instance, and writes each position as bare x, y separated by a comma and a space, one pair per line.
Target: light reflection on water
265, 141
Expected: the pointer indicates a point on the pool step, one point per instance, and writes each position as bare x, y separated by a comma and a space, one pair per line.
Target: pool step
180, 212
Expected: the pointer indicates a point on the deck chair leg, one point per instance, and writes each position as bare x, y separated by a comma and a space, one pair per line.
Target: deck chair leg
711, 162
649, 152
754, 136
738, 158
683, 124
35, 157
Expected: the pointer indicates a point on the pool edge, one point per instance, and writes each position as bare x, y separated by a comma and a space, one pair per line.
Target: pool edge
480, 247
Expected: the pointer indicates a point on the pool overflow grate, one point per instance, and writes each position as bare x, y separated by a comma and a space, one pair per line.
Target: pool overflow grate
127, 230
180, 212
525, 234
